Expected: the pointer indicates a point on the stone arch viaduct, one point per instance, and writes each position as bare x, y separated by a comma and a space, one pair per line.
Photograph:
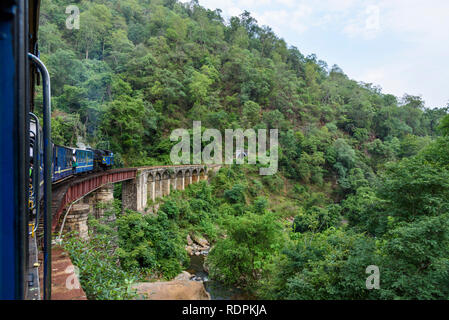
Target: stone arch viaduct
140, 187
157, 182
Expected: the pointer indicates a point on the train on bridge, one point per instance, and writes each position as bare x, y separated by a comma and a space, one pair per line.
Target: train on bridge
38, 178
65, 161
29, 162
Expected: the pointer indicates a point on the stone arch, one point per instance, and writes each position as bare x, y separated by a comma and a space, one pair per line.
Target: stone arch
187, 178
158, 186
151, 187
202, 174
195, 176
179, 180
165, 183
172, 180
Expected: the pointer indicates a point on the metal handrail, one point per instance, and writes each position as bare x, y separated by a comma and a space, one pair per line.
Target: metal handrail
36, 171
47, 172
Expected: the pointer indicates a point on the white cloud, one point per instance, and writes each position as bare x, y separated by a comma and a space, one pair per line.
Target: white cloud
288, 3
296, 20
414, 33
366, 24
417, 17
419, 65
424, 78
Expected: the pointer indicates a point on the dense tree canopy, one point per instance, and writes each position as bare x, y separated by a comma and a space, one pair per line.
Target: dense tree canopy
363, 175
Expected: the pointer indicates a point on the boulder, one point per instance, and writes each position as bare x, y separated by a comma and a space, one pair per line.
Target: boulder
189, 240
189, 250
201, 241
172, 290
183, 276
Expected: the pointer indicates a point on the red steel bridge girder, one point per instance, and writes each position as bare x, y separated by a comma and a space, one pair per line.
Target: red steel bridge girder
82, 186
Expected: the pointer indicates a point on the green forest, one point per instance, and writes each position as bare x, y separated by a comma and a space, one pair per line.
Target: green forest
363, 176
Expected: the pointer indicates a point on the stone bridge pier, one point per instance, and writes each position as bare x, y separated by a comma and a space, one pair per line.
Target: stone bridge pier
93, 203
156, 182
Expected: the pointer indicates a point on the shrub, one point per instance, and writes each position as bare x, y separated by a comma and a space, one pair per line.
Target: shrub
260, 204
242, 257
236, 194
152, 243
100, 275
170, 208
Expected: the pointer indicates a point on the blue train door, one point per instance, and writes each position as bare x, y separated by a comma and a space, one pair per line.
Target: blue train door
14, 149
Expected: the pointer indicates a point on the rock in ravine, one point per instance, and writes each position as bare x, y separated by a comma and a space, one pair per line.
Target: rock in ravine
201, 241
189, 240
172, 290
183, 276
189, 250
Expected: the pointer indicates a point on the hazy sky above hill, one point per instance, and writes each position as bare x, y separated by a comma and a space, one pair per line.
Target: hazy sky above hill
400, 45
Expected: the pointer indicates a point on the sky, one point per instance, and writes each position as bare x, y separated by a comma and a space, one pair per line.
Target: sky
400, 45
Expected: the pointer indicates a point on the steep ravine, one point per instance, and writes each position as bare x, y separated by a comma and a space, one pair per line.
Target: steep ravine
198, 249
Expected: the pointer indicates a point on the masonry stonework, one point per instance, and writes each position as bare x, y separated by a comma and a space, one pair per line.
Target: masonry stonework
157, 182
77, 220
150, 183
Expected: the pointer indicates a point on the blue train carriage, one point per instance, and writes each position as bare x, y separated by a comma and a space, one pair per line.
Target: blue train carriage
62, 163
84, 161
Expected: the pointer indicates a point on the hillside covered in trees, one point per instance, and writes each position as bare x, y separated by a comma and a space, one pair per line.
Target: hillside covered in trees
363, 175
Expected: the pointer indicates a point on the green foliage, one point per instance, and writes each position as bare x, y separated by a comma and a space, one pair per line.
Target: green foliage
65, 129
356, 207
436, 153
100, 274
415, 264
325, 266
235, 195
251, 112
125, 122
170, 209
260, 204
138, 69
151, 243
413, 188
444, 126
273, 182
316, 219
412, 145
244, 255
408, 212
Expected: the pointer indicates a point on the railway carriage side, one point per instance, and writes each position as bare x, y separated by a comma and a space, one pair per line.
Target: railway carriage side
61, 163
84, 161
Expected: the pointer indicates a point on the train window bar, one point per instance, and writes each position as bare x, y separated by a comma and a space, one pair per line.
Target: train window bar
36, 171
47, 171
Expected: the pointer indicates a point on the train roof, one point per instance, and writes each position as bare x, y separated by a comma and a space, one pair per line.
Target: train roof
64, 147
100, 150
